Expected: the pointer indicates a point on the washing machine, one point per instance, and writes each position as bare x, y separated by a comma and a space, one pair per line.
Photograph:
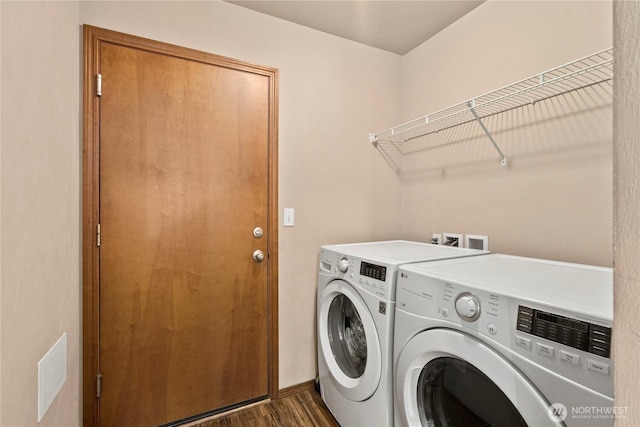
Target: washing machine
500, 340
356, 294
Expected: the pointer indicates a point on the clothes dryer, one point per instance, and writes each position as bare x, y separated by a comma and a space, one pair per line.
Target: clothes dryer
504, 341
356, 306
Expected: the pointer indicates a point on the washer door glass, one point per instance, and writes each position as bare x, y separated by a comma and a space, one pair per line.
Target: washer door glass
347, 337
349, 348
452, 392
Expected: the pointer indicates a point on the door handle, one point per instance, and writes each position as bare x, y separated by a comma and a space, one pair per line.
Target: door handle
258, 255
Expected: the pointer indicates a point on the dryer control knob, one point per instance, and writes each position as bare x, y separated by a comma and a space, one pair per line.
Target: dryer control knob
468, 306
343, 265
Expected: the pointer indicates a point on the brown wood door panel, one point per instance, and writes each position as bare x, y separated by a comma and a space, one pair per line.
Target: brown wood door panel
185, 319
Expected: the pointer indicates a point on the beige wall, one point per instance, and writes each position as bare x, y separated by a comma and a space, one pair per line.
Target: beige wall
40, 175
627, 209
554, 199
0, 221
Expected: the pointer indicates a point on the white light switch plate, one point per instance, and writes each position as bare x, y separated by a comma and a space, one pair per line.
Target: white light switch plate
52, 374
288, 217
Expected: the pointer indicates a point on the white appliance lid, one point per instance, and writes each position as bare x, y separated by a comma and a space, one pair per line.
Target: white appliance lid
396, 252
575, 287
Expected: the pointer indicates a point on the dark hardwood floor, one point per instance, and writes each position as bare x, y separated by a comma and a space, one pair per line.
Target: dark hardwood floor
299, 409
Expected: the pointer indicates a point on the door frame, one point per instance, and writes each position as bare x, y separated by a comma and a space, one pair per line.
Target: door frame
92, 38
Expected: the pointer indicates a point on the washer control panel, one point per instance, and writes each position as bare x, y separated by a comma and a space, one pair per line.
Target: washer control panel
373, 277
343, 264
373, 271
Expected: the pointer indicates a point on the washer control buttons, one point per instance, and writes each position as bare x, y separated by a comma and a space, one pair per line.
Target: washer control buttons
343, 265
445, 312
493, 329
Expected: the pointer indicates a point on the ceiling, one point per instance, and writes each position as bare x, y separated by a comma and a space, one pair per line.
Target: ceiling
394, 25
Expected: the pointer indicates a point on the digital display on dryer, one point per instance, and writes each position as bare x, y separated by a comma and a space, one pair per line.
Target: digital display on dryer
575, 333
377, 272
563, 321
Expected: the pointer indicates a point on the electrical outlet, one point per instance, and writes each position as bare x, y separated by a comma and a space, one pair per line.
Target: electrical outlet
475, 241
436, 239
452, 239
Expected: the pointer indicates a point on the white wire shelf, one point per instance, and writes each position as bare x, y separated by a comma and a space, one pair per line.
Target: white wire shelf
581, 73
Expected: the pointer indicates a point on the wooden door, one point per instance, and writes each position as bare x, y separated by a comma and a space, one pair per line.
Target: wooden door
184, 157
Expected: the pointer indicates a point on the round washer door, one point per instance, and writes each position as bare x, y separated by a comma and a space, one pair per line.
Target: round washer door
447, 378
349, 341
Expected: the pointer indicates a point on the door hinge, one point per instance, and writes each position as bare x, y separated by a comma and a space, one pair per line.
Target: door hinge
98, 236
99, 85
98, 385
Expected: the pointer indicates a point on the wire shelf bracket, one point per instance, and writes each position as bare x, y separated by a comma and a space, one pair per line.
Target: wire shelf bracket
503, 158
582, 73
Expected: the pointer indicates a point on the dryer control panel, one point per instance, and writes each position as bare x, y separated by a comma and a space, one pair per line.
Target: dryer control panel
572, 332
572, 346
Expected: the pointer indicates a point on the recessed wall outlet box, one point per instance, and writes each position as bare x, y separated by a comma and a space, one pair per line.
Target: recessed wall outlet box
475, 241
52, 374
452, 239
436, 239
288, 217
